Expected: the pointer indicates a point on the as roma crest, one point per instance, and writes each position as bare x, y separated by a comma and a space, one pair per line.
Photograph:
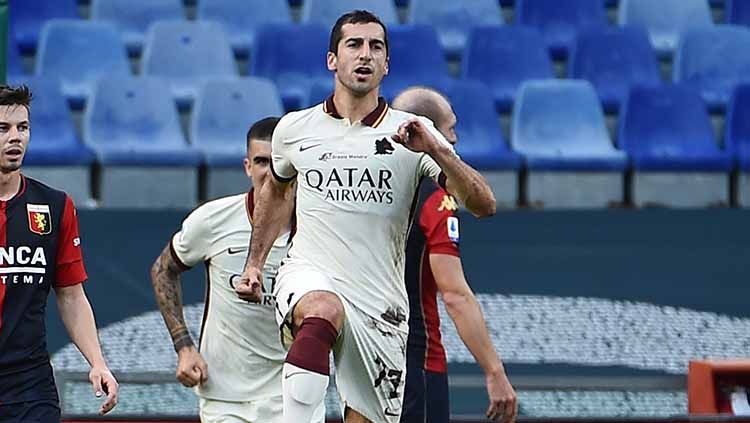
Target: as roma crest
40, 221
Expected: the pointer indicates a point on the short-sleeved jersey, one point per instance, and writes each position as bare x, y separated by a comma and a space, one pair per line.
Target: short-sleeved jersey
40, 249
239, 340
355, 195
435, 231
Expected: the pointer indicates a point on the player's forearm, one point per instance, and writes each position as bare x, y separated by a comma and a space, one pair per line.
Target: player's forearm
272, 213
165, 277
78, 319
466, 314
465, 183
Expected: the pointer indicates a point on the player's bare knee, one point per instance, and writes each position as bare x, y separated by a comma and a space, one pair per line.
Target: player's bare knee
353, 416
322, 304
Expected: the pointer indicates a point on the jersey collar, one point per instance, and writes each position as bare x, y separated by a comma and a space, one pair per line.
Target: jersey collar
372, 120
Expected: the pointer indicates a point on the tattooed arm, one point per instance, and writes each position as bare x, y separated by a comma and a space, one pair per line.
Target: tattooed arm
165, 277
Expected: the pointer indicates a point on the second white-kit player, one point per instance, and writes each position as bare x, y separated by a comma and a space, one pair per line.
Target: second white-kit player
357, 164
237, 368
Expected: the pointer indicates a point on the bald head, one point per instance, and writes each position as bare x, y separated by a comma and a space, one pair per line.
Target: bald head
423, 101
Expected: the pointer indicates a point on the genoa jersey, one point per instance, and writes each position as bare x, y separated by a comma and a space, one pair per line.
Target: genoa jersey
434, 231
39, 250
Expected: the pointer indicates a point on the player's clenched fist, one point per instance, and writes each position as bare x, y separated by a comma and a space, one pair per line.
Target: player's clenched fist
191, 367
414, 135
249, 286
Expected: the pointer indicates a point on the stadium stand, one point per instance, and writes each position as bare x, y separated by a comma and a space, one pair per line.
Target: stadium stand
712, 61
133, 17
186, 54
737, 139
737, 12
665, 20
307, 44
480, 138
408, 65
133, 126
454, 20
676, 160
559, 128
14, 67
242, 18
504, 57
223, 113
614, 60
28, 17
560, 21
98, 51
325, 12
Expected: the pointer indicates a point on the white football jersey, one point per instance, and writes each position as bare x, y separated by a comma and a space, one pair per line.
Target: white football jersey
356, 191
239, 340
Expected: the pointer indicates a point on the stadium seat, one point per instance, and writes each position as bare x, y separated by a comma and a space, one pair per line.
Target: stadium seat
187, 54
15, 66
133, 17
503, 57
737, 12
307, 44
665, 20
560, 21
326, 12
319, 92
242, 18
737, 139
80, 52
613, 60
408, 65
28, 16
133, 126
668, 134
559, 127
454, 20
713, 61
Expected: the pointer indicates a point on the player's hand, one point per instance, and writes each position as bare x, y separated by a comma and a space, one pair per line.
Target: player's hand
503, 402
104, 383
191, 367
249, 286
414, 135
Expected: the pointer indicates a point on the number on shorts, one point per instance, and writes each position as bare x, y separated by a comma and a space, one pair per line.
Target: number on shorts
391, 375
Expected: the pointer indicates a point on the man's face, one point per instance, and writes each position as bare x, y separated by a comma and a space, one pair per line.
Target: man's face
15, 130
447, 125
361, 61
258, 162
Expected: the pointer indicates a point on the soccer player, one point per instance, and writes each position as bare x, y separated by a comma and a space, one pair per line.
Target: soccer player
433, 264
237, 368
357, 164
40, 249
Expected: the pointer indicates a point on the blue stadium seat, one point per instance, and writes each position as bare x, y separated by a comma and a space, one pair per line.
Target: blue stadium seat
480, 138
737, 12
504, 57
319, 91
453, 20
408, 65
15, 66
242, 18
668, 128
28, 16
187, 54
613, 60
560, 21
307, 44
326, 12
133, 17
737, 132
713, 61
53, 141
559, 125
80, 52
665, 20
134, 122
223, 113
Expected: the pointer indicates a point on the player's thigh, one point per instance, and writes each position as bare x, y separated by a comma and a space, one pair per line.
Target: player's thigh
370, 367
323, 304
42, 411
414, 391
257, 411
437, 394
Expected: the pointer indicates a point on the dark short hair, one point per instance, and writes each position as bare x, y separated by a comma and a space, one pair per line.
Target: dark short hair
354, 17
262, 130
15, 96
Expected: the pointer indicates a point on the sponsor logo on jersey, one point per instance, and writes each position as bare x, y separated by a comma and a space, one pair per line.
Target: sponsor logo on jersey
452, 223
22, 265
383, 146
303, 147
39, 218
448, 203
338, 156
352, 184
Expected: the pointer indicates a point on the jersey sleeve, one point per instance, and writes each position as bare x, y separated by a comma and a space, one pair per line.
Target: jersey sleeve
439, 224
281, 165
427, 165
191, 244
69, 268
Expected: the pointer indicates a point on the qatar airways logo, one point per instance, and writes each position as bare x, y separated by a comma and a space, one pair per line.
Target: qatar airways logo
351, 184
22, 265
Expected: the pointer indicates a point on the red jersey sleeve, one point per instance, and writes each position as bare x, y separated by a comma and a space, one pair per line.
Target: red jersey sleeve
69, 267
439, 224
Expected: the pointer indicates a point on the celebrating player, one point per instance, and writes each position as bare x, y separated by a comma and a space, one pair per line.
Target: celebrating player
40, 249
433, 264
237, 369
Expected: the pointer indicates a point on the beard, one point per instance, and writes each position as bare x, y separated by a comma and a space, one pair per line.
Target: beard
360, 89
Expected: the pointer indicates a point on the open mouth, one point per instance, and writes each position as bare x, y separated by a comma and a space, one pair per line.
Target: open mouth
363, 71
14, 153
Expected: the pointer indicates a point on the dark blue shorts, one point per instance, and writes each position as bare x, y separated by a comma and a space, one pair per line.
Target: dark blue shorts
426, 398
41, 411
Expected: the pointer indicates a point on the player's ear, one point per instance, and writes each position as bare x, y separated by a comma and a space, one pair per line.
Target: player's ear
248, 167
331, 61
387, 65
